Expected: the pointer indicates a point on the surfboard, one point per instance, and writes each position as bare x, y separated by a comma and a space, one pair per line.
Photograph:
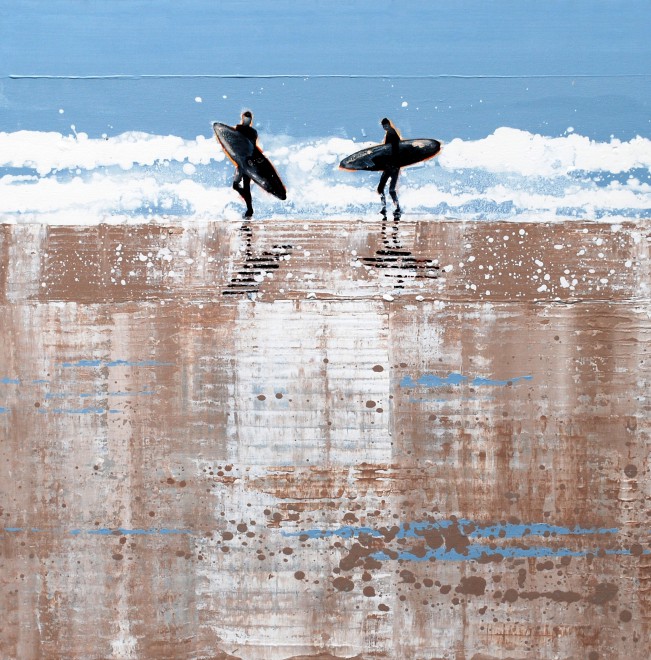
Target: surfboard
250, 160
378, 158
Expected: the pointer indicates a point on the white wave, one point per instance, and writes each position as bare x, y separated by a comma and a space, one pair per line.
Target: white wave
49, 152
512, 150
137, 177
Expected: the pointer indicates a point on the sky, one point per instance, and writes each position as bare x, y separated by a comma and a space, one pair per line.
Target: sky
459, 68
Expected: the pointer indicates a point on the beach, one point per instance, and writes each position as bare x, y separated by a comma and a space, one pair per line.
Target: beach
350, 437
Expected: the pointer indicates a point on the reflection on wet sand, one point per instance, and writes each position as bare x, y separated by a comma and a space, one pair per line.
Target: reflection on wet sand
394, 260
255, 267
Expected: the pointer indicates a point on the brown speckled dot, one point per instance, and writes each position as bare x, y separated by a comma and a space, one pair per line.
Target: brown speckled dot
630, 471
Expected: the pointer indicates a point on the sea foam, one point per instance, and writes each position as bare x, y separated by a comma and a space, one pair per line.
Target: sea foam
511, 174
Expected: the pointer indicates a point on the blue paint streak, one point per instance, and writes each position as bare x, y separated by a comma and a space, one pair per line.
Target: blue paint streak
342, 532
13, 529
90, 395
144, 363
9, 381
40, 381
461, 399
83, 363
432, 380
3, 410
500, 383
476, 552
106, 531
538, 529
470, 529
116, 363
77, 411
466, 527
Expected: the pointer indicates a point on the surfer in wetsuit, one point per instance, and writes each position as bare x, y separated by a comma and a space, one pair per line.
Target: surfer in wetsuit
392, 137
244, 190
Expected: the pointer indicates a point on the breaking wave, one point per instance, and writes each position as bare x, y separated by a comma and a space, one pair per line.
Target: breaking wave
139, 177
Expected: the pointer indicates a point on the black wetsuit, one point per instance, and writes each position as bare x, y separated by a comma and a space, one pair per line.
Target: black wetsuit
393, 170
245, 189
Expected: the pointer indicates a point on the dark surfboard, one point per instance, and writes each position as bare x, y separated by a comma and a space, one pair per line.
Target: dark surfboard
251, 161
377, 158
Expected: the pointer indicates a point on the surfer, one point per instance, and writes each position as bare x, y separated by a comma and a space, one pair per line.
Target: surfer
392, 137
244, 190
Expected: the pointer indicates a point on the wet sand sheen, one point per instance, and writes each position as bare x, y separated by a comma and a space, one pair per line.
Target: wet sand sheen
185, 409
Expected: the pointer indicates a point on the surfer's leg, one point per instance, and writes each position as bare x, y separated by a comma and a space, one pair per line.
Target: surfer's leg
383, 182
246, 194
237, 179
392, 187
380, 189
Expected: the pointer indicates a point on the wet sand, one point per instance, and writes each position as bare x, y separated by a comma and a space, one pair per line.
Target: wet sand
297, 438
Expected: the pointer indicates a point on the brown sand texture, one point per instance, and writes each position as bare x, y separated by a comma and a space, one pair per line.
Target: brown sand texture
291, 438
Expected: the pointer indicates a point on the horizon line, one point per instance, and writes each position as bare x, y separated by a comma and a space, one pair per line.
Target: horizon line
268, 76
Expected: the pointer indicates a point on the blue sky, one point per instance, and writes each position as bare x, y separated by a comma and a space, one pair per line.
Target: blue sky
540, 66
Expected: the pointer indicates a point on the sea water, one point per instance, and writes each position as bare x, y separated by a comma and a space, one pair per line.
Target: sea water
542, 108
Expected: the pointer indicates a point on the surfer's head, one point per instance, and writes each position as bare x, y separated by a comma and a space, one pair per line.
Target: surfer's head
386, 123
247, 117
